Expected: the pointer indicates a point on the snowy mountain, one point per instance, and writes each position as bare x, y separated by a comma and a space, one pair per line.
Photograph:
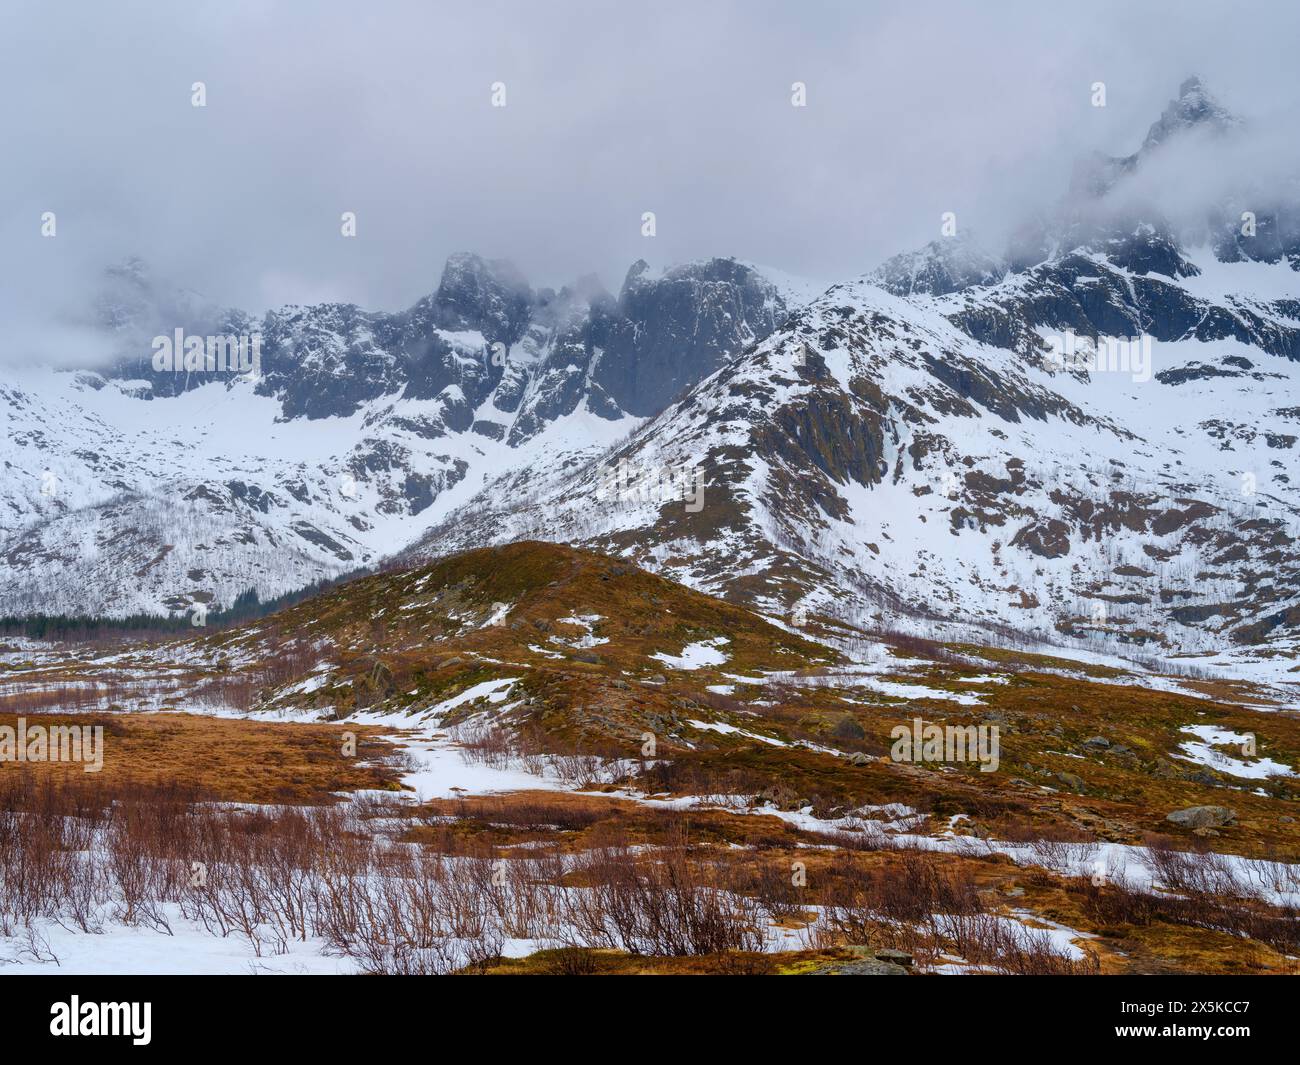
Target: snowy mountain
1093, 449
1085, 438
137, 489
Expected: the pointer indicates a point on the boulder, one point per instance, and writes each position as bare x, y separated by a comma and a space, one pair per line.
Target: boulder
1073, 782
1202, 816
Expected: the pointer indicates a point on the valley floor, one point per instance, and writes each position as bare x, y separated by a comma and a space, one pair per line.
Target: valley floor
514, 765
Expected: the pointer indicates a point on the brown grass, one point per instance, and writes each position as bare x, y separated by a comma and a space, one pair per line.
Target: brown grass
232, 760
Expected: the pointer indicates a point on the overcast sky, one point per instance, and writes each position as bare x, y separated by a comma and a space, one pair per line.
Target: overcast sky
384, 109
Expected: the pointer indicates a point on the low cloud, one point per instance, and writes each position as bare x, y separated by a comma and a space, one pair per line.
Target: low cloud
682, 109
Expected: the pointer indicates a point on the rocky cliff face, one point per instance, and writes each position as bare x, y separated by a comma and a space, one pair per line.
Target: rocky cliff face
668, 332
474, 333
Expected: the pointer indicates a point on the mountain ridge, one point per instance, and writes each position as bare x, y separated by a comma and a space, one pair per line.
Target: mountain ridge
942, 440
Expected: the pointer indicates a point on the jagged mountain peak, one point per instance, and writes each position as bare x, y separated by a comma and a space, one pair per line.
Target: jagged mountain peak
488, 295
726, 269
635, 273
467, 264
946, 265
413, 411
1194, 108
1193, 111
1098, 214
130, 302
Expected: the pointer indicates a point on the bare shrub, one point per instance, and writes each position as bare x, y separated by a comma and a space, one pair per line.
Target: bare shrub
668, 903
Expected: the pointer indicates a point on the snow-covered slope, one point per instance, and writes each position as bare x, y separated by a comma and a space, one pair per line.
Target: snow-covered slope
135, 489
1098, 447
873, 449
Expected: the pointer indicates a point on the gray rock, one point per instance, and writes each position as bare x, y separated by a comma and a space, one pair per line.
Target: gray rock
1073, 782
1202, 816
1099, 742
